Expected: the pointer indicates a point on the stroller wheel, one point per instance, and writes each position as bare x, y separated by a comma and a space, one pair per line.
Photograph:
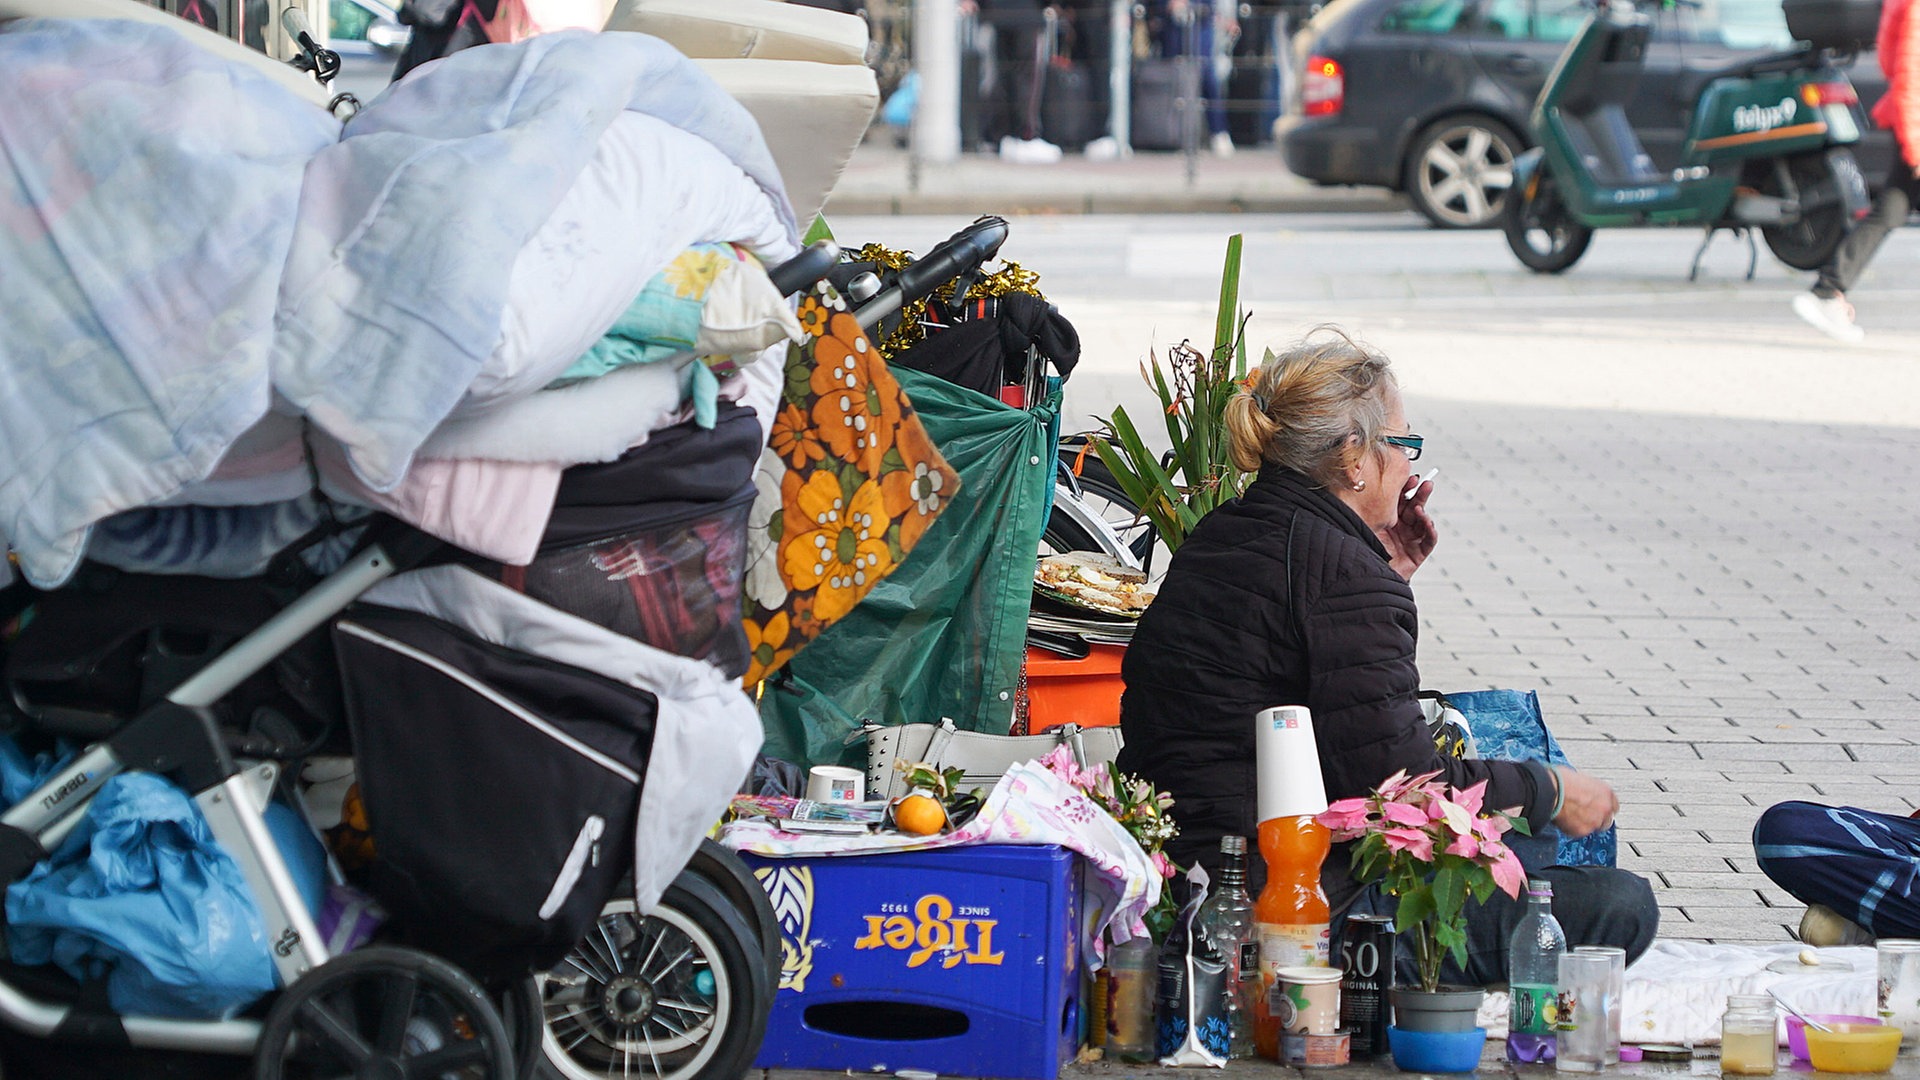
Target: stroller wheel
384, 1011
736, 881
682, 994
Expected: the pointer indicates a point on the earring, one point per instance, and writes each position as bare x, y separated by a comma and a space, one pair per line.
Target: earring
1359, 485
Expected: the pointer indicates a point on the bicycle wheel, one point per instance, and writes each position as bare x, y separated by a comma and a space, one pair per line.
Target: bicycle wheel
682, 994
1100, 494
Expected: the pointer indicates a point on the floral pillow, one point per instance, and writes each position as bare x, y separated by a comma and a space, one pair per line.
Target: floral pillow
848, 484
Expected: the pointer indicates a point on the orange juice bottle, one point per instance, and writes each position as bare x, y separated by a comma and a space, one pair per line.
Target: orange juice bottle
1291, 917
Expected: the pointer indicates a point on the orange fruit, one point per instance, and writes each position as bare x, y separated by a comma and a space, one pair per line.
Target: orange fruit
921, 815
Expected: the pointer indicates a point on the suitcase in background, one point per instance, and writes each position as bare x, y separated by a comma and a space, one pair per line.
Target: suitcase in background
1166, 96
1069, 110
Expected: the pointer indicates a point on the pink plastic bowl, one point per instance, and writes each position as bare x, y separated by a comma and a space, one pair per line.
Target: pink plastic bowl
1797, 1031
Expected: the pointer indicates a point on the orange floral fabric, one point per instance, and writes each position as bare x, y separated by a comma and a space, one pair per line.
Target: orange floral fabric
847, 486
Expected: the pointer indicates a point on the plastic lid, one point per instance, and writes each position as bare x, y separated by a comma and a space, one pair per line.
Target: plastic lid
1539, 887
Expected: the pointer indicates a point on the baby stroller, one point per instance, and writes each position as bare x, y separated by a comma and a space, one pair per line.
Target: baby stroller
538, 788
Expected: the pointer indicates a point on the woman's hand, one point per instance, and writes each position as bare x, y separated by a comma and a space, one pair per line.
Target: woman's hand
1587, 804
1413, 536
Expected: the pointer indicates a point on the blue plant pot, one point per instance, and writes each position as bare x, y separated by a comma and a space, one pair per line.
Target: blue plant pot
1437, 1051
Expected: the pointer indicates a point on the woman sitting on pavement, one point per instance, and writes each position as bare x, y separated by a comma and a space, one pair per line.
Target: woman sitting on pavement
1858, 872
1296, 593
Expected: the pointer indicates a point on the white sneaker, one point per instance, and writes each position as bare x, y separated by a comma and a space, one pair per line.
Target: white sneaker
1830, 315
1222, 144
1822, 927
1028, 151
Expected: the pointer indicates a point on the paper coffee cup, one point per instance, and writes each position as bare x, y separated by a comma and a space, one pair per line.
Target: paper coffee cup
1288, 761
836, 784
1306, 1000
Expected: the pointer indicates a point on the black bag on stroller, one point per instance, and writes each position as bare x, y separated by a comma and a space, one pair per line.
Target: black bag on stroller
501, 788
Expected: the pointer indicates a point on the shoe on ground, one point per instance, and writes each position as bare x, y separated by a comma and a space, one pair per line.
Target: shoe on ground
1831, 315
1028, 151
1222, 144
1823, 927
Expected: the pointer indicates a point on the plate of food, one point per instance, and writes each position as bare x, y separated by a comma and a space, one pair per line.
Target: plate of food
1093, 582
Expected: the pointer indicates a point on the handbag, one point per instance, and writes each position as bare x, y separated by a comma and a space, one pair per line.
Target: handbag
982, 758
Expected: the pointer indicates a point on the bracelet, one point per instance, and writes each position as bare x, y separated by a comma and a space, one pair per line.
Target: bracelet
1559, 793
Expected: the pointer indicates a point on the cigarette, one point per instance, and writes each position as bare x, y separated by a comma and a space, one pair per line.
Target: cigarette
1427, 479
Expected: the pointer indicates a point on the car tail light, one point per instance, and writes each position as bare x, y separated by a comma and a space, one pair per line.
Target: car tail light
1323, 88
1829, 93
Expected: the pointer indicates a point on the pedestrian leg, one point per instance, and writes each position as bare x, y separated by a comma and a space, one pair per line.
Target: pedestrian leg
1863, 865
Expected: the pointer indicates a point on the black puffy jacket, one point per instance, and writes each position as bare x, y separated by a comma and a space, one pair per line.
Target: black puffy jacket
1284, 597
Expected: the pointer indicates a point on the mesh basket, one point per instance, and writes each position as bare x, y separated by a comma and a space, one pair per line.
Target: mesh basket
673, 583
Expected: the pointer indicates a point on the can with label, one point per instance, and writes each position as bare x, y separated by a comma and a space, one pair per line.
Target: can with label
1366, 960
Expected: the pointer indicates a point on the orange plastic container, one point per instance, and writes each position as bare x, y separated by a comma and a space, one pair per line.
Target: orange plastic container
1063, 691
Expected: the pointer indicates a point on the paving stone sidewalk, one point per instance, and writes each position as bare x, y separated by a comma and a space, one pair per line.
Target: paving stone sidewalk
1718, 615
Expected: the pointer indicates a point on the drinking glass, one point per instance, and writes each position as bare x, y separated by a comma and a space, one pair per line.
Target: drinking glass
1900, 986
1580, 1043
1616, 993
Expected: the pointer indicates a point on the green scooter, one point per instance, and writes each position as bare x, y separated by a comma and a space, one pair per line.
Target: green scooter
1768, 147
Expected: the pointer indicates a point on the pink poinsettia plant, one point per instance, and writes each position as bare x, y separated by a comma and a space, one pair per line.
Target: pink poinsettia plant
1431, 846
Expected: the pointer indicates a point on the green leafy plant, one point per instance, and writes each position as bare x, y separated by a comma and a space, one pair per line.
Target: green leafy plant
1198, 473
1431, 846
942, 784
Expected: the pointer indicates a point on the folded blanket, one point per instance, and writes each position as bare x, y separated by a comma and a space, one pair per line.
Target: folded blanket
143, 222
391, 302
189, 243
1677, 991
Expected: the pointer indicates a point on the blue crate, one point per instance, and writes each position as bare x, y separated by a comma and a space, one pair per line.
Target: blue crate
963, 961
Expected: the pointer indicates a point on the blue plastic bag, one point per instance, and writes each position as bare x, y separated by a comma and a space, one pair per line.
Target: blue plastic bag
1508, 726
142, 894
900, 107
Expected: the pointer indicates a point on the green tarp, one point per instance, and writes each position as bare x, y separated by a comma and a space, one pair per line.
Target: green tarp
945, 634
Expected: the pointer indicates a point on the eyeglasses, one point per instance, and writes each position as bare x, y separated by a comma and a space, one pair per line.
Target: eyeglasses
1412, 444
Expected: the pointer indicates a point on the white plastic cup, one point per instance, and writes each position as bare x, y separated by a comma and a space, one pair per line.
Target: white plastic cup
1616, 994
1900, 986
1581, 1042
836, 784
1288, 761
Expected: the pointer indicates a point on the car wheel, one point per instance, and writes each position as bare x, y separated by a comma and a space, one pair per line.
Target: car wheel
1459, 170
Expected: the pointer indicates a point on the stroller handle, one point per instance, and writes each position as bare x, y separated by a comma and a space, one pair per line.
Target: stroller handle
806, 268
961, 253
958, 254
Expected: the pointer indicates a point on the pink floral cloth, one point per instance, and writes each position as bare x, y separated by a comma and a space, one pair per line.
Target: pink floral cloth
1030, 805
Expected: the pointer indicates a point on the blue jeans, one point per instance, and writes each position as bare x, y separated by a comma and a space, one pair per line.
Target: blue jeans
1861, 864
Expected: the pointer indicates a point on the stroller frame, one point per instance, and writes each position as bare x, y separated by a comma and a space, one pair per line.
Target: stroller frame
178, 734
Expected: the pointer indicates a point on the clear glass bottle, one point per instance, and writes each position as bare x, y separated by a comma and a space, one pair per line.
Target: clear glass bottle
1533, 976
1227, 919
1747, 1043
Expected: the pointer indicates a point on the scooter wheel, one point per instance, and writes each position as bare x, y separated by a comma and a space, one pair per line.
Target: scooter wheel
1540, 229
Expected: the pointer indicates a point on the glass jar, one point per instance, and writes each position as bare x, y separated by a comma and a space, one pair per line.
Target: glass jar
1747, 1043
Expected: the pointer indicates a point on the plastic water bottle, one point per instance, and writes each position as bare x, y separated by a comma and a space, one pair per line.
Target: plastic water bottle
1227, 919
1533, 974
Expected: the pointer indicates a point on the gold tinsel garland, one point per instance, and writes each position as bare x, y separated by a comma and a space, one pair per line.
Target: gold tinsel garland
1010, 278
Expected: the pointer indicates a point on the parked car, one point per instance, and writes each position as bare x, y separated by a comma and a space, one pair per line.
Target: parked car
369, 37
1431, 97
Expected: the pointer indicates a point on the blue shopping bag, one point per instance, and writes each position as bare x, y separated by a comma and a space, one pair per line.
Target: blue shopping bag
1508, 725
